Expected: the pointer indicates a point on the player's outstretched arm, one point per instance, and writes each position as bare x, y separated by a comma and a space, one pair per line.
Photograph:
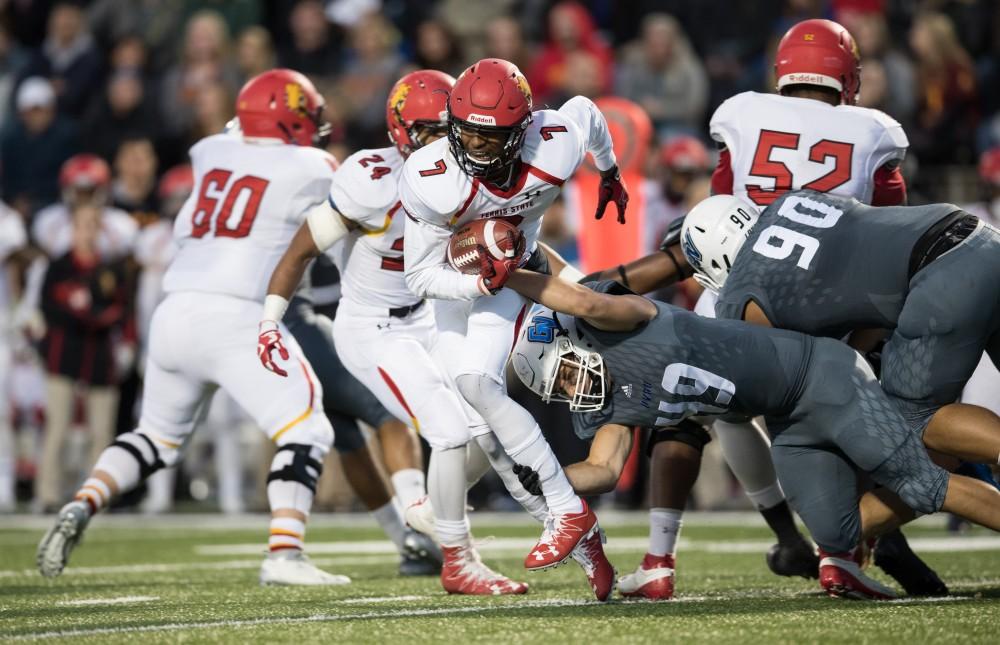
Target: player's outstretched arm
599, 473
323, 227
604, 311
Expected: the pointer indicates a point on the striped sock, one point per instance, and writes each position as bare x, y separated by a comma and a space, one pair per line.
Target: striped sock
95, 493
286, 533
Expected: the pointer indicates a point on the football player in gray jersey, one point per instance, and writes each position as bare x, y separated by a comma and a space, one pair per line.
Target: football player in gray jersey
624, 360
831, 266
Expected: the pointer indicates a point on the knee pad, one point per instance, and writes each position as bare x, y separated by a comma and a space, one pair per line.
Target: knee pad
146, 453
347, 434
490, 446
687, 432
299, 463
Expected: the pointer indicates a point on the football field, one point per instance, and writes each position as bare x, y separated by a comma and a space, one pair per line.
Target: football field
193, 579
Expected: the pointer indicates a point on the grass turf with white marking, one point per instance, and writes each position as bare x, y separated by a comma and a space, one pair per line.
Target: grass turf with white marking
726, 597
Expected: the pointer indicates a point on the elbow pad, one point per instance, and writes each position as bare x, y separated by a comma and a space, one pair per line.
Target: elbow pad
326, 225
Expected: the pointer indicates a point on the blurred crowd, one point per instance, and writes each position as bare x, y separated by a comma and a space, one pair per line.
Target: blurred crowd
100, 100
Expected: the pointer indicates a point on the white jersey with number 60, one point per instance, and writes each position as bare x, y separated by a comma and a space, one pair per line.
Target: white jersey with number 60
249, 199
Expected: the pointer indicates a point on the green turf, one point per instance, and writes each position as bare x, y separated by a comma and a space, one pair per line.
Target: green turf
723, 598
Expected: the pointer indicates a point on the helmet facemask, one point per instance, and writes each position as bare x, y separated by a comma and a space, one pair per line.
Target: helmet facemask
499, 167
590, 382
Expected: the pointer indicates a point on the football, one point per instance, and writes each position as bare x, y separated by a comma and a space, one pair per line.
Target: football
498, 237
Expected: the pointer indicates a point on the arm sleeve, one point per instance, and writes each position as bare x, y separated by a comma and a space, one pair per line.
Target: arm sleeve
889, 186
582, 111
722, 176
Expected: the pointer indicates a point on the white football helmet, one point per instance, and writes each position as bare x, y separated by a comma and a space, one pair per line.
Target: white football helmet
545, 344
712, 235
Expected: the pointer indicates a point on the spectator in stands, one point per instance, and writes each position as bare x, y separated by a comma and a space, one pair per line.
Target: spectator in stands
373, 66
315, 49
213, 108
438, 48
124, 111
12, 61
129, 53
205, 61
947, 112
663, 75
85, 302
505, 39
254, 52
158, 25
69, 58
134, 186
33, 147
896, 69
84, 179
583, 77
571, 28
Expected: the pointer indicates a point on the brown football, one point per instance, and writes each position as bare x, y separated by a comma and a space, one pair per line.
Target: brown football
489, 234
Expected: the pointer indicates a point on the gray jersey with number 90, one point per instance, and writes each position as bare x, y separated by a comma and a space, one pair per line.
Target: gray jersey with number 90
826, 265
680, 365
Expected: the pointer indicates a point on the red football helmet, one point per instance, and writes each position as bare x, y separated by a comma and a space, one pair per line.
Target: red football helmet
989, 166
84, 176
282, 104
491, 97
179, 180
419, 99
819, 52
685, 154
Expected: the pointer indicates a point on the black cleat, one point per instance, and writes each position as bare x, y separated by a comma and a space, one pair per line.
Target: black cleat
421, 556
793, 560
894, 556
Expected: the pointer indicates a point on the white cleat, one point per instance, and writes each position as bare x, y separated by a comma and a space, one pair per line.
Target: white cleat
653, 580
420, 516
292, 567
60, 540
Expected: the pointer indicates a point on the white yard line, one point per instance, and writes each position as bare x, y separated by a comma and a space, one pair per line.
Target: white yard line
322, 618
503, 545
380, 599
120, 600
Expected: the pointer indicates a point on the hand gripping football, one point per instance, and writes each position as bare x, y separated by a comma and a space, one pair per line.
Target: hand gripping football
498, 238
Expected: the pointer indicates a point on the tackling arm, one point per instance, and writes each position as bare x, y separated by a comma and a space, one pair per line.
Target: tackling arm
600, 471
604, 311
653, 271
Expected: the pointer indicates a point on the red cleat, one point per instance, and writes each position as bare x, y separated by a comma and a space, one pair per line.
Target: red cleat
653, 580
559, 539
589, 554
841, 577
463, 572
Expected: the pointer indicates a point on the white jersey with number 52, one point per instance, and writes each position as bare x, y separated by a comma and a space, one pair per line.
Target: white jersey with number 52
779, 143
365, 191
248, 201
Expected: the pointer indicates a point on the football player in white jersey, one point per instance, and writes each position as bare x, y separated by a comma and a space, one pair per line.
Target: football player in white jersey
501, 160
13, 238
385, 335
250, 196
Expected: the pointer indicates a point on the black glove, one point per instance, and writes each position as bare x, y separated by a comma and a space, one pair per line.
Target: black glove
529, 479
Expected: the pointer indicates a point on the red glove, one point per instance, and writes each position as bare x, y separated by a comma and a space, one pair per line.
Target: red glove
494, 273
612, 189
268, 341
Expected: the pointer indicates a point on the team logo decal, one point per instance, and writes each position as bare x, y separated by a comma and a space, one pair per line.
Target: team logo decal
398, 97
691, 251
522, 84
809, 37
542, 329
295, 98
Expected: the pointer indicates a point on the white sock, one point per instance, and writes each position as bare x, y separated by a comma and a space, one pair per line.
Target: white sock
391, 521
95, 492
504, 466
747, 450
664, 529
286, 533
452, 532
521, 438
768, 497
409, 485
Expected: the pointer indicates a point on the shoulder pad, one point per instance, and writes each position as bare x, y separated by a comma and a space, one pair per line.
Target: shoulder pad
432, 187
367, 181
725, 117
554, 143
